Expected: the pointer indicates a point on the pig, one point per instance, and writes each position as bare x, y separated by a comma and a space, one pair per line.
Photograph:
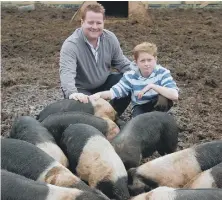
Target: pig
211, 178
30, 130
23, 158
100, 108
18, 187
176, 169
94, 160
145, 134
56, 123
165, 193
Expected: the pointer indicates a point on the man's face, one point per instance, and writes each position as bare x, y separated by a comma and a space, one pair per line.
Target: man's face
146, 63
93, 25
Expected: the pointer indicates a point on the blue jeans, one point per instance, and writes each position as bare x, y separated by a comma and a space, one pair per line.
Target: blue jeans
149, 107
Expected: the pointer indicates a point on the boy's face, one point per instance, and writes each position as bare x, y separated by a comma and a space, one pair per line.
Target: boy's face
146, 63
93, 25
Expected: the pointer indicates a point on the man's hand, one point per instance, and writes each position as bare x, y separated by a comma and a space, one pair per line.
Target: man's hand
95, 96
79, 97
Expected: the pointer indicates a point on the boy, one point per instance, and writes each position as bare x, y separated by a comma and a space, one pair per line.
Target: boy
145, 82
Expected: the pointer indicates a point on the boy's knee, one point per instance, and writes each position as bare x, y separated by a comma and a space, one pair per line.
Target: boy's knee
163, 104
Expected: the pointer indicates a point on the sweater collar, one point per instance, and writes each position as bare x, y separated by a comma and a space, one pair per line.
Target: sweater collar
138, 73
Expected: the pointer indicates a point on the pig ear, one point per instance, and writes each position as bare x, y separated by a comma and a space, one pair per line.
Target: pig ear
51, 177
148, 195
131, 173
120, 123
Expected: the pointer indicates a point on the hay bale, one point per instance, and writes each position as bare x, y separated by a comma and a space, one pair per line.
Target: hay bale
138, 11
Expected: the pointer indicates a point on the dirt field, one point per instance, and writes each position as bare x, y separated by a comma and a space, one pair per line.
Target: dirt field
189, 44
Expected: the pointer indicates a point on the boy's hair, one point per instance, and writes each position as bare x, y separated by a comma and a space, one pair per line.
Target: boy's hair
145, 47
95, 7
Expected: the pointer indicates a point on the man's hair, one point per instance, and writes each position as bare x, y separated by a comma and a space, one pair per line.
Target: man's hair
95, 7
145, 47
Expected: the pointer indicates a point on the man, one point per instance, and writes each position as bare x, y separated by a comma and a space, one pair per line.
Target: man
87, 56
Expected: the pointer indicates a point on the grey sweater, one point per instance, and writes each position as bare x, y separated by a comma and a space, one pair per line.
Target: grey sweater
78, 67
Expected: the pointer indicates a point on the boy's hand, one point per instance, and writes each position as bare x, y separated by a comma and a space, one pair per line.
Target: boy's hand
140, 94
144, 90
95, 96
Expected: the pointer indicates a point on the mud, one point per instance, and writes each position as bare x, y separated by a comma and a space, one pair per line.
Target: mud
189, 44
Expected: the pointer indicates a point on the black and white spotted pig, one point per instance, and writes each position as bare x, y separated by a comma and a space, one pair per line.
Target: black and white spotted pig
176, 169
25, 159
211, 178
18, 187
145, 134
94, 160
165, 193
30, 130
100, 108
58, 122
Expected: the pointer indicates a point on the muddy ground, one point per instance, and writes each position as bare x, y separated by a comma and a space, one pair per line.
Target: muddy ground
189, 44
